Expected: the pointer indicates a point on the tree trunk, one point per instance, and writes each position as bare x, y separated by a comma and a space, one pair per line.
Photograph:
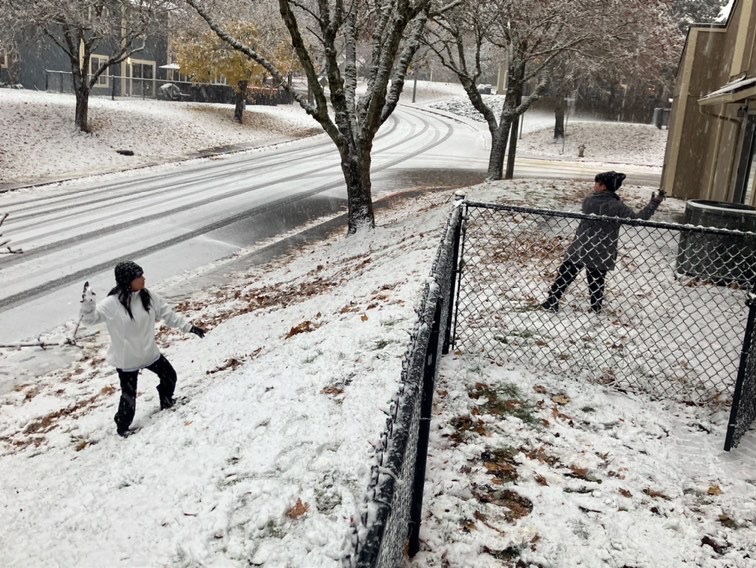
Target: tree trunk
82, 108
513, 132
498, 150
355, 164
559, 111
240, 97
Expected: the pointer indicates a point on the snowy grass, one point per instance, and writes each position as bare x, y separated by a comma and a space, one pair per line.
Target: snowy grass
606, 142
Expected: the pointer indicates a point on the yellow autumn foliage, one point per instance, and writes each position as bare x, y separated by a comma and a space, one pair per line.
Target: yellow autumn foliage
206, 58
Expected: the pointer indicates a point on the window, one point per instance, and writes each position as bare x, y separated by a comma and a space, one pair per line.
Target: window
747, 164
96, 62
141, 74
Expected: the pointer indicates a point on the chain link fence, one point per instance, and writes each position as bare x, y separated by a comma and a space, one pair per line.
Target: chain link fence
664, 313
389, 520
666, 317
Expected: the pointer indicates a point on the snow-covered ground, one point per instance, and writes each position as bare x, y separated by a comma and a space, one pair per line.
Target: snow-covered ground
607, 142
266, 461
45, 146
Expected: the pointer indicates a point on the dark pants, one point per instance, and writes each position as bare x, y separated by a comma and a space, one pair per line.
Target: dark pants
568, 271
127, 407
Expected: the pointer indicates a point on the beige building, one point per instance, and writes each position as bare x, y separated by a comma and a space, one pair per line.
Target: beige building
712, 128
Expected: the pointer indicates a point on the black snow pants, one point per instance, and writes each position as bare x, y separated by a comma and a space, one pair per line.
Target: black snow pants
568, 271
127, 406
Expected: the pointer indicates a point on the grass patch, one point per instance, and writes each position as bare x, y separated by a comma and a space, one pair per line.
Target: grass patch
503, 400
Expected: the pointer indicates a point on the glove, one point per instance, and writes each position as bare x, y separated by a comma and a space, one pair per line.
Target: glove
198, 331
87, 294
88, 303
659, 197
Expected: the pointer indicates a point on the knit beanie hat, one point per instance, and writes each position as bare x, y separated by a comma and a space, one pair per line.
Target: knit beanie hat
612, 180
126, 273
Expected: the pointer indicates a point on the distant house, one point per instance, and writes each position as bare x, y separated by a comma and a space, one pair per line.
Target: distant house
42, 65
712, 129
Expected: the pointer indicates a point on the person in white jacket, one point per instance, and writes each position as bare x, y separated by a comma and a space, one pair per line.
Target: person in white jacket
130, 312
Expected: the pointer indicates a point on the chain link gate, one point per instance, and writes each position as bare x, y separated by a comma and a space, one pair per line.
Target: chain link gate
743, 410
669, 319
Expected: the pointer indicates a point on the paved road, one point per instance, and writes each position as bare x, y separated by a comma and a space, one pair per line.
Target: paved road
183, 216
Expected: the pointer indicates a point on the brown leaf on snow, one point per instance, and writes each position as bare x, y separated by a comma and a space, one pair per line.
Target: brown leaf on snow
625, 493
714, 490
467, 526
304, 327
540, 389
332, 390
541, 480
515, 504
541, 455
556, 413
655, 494
364, 317
582, 473
561, 399
231, 363
298, 510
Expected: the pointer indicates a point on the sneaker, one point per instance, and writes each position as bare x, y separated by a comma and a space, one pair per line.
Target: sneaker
124, 433
166, 403
550, 305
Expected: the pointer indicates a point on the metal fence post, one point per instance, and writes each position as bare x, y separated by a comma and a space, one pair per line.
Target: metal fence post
426, 407
744, 355
459, 197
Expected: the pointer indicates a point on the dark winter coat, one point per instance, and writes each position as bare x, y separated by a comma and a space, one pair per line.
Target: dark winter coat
595, 244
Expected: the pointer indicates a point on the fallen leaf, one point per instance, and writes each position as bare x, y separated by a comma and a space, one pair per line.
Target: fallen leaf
714, 490
364, 317
652, 493
298, 510
561, 399
303, 327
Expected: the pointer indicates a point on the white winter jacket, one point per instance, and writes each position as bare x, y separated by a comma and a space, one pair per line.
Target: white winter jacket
132, 341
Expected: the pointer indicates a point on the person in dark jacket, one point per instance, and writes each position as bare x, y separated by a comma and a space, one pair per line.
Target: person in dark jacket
595, 244
130, 312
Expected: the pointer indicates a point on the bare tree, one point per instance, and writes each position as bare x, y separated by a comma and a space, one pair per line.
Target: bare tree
327, 37
532, 37
81, 28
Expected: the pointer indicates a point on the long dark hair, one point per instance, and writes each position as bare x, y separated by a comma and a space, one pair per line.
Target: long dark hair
124, 296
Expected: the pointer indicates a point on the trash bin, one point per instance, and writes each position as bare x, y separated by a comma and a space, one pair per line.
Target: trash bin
661, 117
721, 259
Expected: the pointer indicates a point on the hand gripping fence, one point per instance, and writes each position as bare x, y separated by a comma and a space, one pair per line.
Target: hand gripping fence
391, 509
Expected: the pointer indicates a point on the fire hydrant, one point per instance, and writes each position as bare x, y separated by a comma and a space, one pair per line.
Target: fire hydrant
581, 150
